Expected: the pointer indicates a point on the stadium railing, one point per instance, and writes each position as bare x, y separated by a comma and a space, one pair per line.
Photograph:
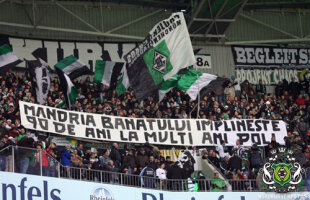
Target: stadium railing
37, 162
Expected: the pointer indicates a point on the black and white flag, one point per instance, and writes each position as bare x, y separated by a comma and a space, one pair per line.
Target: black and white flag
39, 75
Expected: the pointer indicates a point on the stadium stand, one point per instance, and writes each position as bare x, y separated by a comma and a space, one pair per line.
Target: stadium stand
218, 67
125, 166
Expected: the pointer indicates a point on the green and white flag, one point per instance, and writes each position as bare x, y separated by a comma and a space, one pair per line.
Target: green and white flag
107, 72
168, 85
73, 67
7, 58
72, 91
68, 88
193, 81
123, 83
165, 51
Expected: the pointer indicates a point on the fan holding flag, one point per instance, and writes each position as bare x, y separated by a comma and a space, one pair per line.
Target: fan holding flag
165, 51
69, 69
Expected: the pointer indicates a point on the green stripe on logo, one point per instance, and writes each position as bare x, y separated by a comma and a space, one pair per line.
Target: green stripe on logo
5, 49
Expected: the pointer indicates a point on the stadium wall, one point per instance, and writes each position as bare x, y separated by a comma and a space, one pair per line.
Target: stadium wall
54, 50
29, 187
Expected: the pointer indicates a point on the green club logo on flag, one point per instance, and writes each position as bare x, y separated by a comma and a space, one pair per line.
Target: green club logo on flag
160, 62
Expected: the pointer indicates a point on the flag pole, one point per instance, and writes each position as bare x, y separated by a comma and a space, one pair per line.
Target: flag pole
190, 113
198, 103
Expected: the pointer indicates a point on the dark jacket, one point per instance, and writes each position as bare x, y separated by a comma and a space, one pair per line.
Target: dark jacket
307, 170
215, 161
300, 157
304, 85
80, 152
116, 156
7, 151
278, 90
129, 161
294, 88
235, 163
141, 160
153, 165
260, 89
246, 86
175, 172
112, 168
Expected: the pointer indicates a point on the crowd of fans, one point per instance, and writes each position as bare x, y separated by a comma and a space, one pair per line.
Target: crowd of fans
290, 103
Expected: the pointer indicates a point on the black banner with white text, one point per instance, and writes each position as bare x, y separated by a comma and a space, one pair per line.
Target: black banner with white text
52, 51
266, 56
